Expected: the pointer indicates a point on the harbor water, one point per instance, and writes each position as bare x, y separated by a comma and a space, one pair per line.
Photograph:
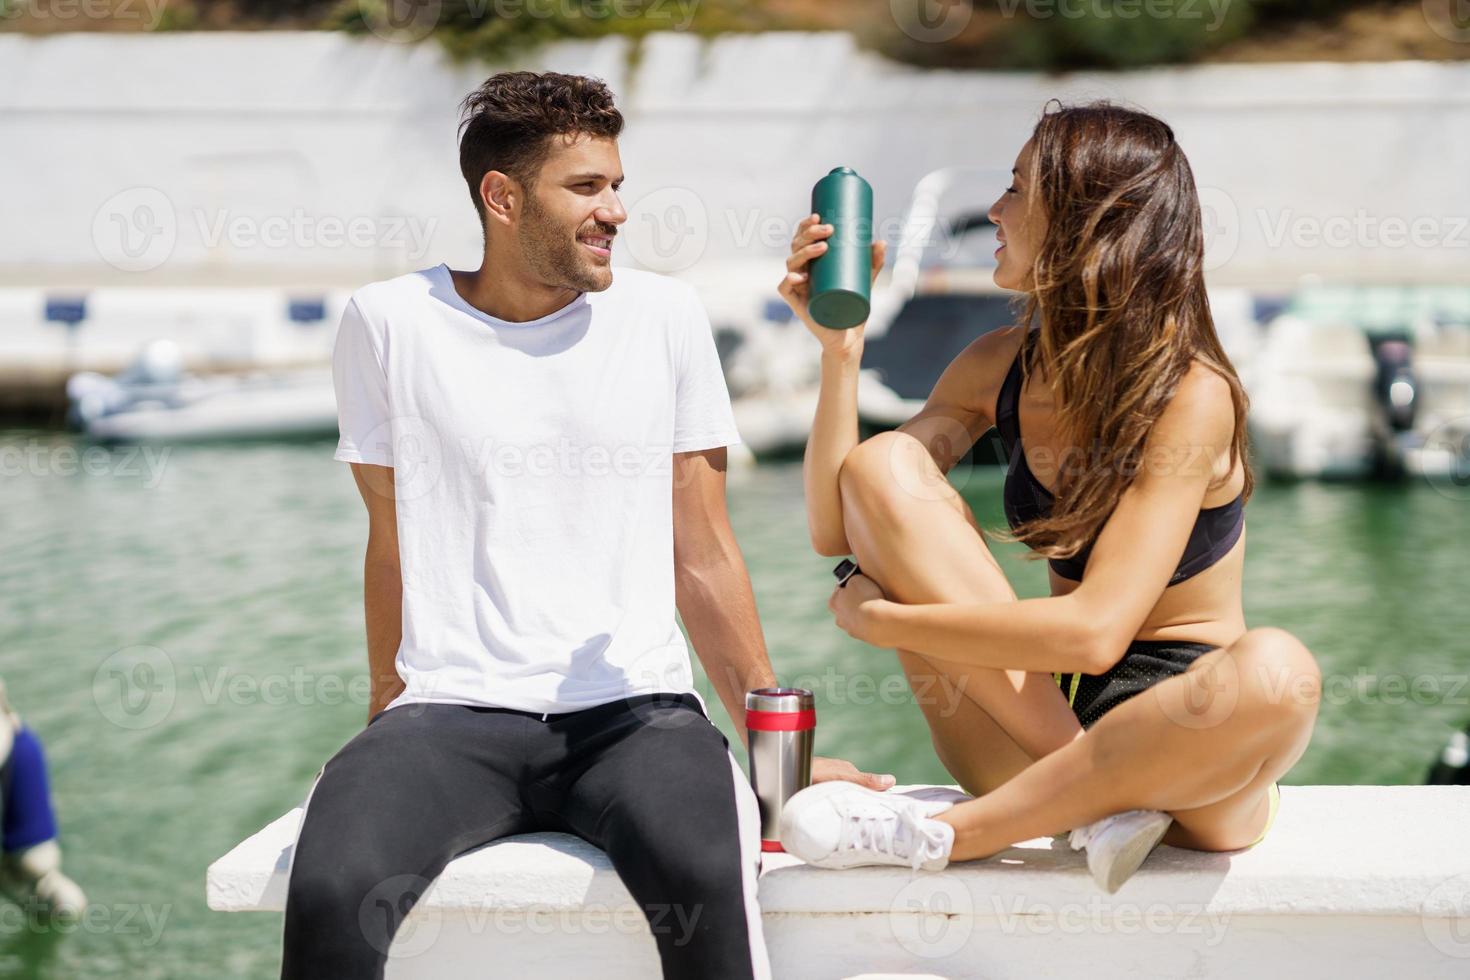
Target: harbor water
183, 626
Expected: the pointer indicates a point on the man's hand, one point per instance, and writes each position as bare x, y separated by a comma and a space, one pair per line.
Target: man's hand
827, 769
383, 692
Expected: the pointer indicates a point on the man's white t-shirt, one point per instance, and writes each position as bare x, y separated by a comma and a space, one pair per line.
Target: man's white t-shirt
532, 465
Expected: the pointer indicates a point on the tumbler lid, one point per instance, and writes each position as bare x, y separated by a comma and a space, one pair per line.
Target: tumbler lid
780, 699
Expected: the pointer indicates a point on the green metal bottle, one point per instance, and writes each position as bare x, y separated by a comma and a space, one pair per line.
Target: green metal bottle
840, 276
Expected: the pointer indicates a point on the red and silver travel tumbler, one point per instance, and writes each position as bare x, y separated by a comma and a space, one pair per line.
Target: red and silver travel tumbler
782, 723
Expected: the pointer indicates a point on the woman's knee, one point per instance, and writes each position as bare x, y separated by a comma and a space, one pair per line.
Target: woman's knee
1229, 825
869, 465
1279, 676
889, 473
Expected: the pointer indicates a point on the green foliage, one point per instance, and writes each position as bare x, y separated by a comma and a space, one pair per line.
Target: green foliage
177, 17
495, 29
1123, 33
1052, 35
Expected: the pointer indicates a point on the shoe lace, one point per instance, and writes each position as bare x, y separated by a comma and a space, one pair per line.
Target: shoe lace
898, 832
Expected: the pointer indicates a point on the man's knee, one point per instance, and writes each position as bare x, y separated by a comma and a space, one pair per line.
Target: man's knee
324, 879
688, 892
314, 892
325, 897
697, 848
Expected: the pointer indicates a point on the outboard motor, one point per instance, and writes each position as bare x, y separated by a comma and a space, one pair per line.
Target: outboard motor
1453, 767
1395, 384
154, 375
1396, 394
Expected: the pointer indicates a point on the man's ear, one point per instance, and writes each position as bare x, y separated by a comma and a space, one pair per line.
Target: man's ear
502, 195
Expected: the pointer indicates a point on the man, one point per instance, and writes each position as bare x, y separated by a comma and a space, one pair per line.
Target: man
541, 451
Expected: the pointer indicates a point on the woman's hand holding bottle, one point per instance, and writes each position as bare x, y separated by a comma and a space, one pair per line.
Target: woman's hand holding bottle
807, 244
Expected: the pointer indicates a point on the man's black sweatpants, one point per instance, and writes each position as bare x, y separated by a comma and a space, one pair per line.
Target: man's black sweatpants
648, 779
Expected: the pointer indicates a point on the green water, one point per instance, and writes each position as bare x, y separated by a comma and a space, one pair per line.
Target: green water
230, 579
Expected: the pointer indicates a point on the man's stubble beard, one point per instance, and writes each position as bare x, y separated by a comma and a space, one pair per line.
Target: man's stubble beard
556, 258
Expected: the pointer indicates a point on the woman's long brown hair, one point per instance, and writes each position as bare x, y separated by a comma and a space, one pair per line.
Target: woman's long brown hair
1119, 300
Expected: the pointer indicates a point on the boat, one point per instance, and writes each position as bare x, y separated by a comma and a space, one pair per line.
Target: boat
940, 296
1356, 382
155, 400
772, 369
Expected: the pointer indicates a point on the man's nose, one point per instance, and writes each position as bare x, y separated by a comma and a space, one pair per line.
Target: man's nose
611, 211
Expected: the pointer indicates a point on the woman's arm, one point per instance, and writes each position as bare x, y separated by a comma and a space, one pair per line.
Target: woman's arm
835, 424
834, 434
1042, 635
1131, 563
953, 417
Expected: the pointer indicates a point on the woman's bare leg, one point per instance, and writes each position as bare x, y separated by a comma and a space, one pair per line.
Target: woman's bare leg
913, 534
1204, 746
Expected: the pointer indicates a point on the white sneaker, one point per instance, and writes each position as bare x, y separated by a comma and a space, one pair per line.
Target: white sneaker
838, 824
1117, 844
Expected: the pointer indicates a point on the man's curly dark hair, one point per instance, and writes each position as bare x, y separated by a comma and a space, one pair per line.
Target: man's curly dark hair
507, 124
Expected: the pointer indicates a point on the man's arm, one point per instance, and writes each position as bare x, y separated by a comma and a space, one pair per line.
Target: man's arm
713, 593
382, 584
712, 587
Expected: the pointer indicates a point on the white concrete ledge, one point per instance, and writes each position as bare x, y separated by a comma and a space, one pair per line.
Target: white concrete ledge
1351, 881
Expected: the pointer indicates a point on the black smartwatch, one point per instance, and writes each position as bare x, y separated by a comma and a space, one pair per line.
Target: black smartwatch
845, 570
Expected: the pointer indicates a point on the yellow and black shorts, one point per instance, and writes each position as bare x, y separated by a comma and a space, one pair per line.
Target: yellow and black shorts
1145, 663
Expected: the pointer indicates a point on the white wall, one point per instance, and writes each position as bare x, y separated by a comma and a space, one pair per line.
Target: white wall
169, 135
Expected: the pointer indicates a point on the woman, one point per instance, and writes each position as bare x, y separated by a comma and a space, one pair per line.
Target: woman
1131, 477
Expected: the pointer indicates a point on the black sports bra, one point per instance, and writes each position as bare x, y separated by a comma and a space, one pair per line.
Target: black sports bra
1215, 532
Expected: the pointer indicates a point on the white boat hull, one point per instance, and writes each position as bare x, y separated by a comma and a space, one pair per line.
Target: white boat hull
298, 405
